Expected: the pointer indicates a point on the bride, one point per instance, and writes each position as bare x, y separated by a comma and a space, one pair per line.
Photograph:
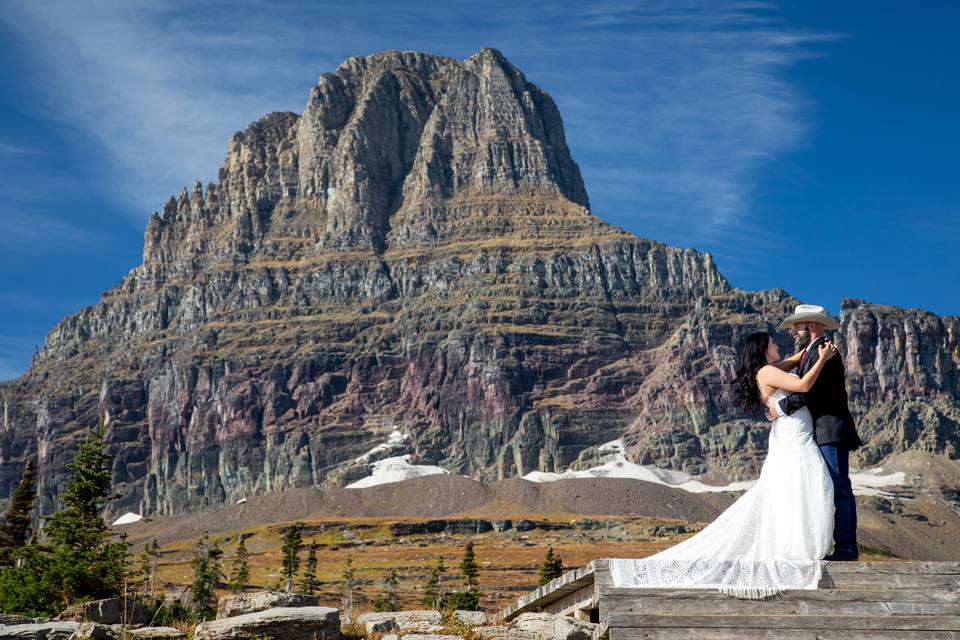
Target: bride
774, 536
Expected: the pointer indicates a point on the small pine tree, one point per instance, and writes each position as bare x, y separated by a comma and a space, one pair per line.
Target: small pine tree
469, 598
153, 551
143, 575
206, 576
240, 570
388, 600
348, 584
433, 593
291, 553
13, 533
468, 567
551, 567
309, 583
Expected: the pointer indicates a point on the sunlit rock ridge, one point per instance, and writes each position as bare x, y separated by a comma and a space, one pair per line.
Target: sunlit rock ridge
415, 253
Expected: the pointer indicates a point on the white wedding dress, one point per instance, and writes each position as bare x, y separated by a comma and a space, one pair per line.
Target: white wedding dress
770, 540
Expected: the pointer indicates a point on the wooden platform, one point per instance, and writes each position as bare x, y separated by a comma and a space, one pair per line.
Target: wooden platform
855, 601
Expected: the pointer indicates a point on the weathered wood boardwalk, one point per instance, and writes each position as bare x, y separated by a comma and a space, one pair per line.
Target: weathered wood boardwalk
855, 601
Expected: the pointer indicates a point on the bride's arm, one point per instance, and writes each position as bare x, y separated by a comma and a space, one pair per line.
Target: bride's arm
789, 364
772, 376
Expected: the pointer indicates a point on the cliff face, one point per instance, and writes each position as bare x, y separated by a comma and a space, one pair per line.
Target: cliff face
416, 252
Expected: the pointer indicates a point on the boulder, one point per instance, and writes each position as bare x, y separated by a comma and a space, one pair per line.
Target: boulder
53, 630
235, 605
95, 631
156, 633
402, 621
472, 618
430, 636
502, 633
289, 623
554, 627
107, 611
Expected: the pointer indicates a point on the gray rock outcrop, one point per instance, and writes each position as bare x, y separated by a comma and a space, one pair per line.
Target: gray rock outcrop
239, 604
156, 633
402, 621
289, 623
107, 611
53, 630
547, 626
95, 631
470, 618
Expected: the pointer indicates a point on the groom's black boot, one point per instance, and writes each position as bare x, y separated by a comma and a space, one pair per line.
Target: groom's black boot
842, 557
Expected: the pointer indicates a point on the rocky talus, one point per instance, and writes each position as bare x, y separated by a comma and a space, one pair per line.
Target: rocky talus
416, 252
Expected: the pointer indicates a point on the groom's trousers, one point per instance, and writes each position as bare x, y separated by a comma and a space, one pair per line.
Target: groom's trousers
837, 457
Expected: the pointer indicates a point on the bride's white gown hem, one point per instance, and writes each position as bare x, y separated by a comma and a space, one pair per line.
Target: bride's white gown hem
770, 540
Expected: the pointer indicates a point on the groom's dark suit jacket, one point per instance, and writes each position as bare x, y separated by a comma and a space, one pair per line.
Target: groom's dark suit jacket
827, 401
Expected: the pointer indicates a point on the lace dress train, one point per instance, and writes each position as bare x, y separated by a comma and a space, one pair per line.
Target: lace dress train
770, 540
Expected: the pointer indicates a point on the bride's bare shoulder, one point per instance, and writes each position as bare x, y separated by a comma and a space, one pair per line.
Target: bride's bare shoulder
768, 371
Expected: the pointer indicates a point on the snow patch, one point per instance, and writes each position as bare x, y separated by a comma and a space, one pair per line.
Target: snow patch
396, 438
128, 518
614, 464
870, 482
394, 470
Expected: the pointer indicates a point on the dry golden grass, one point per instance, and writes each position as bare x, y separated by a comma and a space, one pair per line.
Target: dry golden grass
508, 561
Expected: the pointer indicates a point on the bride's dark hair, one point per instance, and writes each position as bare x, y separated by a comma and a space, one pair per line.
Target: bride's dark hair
753, 355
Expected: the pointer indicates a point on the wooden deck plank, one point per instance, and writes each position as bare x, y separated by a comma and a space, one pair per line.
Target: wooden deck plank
858, 623
894, 567
776, 634
731, 606
829, 595
864, 581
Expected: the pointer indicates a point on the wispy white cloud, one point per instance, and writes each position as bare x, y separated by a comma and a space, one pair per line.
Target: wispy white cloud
671, 106
14, 355
9, 148
23, 230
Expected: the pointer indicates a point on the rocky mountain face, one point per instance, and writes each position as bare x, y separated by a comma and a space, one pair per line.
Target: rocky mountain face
415, 252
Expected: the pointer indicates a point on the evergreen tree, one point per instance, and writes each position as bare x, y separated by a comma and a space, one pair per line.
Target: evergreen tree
13, 533
468, 567
309, 583
143, 575
153, 553
388, 600
79, 524
551, 567
78, 559
348, 585
291, 553
433, 593
207, 574
468, 598
240, 571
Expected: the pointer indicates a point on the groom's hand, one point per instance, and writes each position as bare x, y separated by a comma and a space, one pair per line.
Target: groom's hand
772, 410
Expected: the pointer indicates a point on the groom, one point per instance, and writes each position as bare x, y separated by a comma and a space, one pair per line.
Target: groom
834, 430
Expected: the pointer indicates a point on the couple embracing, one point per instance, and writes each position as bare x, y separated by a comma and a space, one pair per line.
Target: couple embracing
777, 534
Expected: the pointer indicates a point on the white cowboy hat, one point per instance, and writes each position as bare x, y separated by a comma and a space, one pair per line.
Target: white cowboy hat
810, 313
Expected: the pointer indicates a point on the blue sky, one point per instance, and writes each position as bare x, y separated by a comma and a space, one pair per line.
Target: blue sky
810, 145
